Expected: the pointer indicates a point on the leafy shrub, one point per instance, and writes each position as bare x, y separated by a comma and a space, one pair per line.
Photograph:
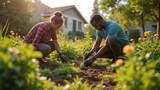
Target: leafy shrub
67, 49
148, 47
73, 35
16, 67
86, 45
54, 63
46, 72
137, 75
77, 85
134, 34
65, 69
89, 28
106, 77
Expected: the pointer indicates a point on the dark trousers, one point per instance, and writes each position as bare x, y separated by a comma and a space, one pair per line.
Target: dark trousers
114, 47
46, 48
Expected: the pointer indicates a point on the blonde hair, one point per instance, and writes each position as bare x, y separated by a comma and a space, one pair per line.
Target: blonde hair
57, 17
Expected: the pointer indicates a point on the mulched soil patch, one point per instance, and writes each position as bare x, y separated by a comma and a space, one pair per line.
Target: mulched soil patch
89, 74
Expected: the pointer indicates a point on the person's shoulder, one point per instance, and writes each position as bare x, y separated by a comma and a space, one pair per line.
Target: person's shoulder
111, 22
43, 23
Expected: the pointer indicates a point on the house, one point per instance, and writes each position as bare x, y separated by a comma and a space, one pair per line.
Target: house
73, 20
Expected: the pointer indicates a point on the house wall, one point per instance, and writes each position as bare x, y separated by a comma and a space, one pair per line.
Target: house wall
72, 15
38, 10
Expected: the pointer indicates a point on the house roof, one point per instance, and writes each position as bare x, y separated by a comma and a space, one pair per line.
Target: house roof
63, 8
41, 5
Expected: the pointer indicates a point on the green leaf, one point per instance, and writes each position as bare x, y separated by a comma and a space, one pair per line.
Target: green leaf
16, 68
19, 83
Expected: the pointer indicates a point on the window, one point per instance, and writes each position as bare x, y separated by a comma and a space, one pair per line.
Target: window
74, 25
65, 22
80, 26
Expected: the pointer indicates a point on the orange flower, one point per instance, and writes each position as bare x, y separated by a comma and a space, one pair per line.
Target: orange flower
128, 49
156, 35
152, 46
58, 40
119, 62
19, 36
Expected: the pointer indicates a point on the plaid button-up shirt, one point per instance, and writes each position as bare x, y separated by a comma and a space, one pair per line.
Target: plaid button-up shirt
40, 33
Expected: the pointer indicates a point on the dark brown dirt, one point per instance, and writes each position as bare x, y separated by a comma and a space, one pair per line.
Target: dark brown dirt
89, 74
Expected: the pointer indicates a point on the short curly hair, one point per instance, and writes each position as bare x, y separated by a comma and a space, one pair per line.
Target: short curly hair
97, 18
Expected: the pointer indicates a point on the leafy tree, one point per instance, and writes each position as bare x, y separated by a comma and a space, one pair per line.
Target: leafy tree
18, 13
91, 31
95, 9
131, 9
149, 8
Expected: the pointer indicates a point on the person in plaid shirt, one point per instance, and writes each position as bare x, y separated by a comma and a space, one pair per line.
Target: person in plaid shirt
41, 34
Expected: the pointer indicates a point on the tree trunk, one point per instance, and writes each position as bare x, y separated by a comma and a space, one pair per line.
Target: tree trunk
158, 21
142, 23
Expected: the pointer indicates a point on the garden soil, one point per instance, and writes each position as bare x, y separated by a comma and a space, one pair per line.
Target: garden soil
89, 74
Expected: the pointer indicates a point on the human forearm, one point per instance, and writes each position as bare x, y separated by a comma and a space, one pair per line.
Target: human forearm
95, 48
57, 48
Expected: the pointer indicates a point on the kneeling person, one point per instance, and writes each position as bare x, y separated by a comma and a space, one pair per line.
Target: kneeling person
115, 40
41, 33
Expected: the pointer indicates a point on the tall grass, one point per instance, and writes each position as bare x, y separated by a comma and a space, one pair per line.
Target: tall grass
2, 29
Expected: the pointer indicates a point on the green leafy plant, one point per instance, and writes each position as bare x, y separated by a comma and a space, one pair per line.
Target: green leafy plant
136, 75
106, 77
67, 49
54, 63
73, 35
65, 69
46, 72
86, 45
18, 70
77, 85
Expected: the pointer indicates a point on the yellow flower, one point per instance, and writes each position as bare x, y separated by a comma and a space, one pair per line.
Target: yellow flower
146, 33
156, 35
131, 40
128, 49
78, 40
119, 62
11, 32
152, 46
87, 32
139, 39
149, 31
90, 38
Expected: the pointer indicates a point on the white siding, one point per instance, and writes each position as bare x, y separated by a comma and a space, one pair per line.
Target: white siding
70, 24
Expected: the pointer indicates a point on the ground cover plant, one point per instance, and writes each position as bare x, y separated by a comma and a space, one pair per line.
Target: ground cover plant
19, 70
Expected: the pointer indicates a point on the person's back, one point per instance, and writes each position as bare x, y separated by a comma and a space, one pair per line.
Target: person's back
112, 29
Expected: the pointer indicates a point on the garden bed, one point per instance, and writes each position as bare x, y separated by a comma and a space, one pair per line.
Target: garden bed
89, 74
